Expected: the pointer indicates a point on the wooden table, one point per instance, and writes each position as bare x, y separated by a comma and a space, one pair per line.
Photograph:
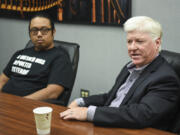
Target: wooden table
16, 118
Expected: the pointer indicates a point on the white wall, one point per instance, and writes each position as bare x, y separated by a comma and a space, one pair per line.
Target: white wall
102, 49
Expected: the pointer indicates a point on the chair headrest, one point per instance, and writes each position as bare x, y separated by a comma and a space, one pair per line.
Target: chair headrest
173, 59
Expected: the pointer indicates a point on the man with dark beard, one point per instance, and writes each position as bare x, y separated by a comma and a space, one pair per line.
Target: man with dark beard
40, 72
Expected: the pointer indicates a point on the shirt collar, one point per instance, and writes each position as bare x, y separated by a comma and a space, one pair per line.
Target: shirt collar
132, 67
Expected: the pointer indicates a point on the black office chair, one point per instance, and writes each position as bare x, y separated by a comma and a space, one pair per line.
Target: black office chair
174, 59
72, 50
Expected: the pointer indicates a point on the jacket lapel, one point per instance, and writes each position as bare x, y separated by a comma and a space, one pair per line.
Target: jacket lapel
120, 80
147, 71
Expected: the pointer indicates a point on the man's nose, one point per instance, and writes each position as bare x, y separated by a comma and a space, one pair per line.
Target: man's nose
133, 46
39, 33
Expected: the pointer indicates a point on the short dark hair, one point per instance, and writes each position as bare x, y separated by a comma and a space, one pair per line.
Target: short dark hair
44, 15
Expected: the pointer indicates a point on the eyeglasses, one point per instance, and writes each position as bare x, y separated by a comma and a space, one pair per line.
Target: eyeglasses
44, 31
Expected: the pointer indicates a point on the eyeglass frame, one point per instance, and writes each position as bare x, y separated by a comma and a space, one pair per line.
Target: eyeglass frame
36, 30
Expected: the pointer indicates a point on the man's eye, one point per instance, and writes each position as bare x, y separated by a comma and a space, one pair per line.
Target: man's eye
34, 29
140, 41
44, 29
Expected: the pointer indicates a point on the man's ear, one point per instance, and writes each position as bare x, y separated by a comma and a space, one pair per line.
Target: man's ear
158, 42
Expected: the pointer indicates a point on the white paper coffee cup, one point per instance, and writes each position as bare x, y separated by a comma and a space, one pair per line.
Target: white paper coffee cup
42, 117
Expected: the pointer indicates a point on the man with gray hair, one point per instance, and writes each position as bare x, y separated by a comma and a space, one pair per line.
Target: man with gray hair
146, 91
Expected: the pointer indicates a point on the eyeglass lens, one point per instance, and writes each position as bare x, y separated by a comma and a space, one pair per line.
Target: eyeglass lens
44, 31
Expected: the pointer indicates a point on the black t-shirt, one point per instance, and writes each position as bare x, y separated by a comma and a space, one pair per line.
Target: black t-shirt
31, 70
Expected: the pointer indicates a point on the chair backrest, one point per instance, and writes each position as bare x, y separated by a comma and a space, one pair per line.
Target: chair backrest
173, 59
72, 50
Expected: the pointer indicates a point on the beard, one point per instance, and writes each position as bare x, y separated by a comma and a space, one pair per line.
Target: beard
41, 47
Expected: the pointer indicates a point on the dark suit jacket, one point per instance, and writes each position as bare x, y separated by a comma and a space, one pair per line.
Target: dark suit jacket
150, 102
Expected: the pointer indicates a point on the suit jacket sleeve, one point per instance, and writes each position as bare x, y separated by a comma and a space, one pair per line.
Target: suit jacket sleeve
152, 107
152, 100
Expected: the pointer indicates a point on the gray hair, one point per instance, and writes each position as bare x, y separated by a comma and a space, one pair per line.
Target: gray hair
144, 24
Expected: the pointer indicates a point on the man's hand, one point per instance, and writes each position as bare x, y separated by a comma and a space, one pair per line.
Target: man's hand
3, 80
73, 104
78, 113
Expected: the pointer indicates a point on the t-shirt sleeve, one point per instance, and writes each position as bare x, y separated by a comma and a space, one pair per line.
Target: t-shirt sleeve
61, 72
7, 69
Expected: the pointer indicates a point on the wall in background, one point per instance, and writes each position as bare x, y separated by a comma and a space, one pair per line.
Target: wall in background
102, 49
